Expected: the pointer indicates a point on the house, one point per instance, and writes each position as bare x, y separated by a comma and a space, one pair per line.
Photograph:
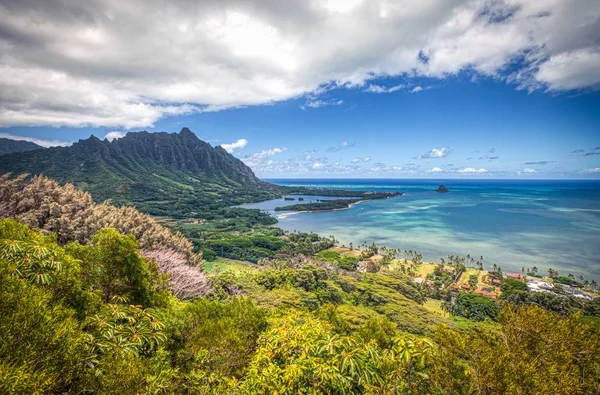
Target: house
494, 279
515, 276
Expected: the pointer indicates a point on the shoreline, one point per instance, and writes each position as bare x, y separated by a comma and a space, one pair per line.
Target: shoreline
283, 216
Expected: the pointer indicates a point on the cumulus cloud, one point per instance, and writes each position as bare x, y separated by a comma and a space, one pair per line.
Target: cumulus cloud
96, 62
595, 170
416, 89
471, 170
38, 141
435, 170
571, 70
435, 153
110, 136
241, 143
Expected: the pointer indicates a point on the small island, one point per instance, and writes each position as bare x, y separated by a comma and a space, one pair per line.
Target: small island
338, 204
442, 189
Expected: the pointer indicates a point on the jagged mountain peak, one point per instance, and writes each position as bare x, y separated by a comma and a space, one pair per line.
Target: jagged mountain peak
141, 166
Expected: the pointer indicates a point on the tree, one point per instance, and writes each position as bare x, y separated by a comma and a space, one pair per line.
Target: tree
113, 264
42, 349
534, 270
474, 307
534, 352
510, 287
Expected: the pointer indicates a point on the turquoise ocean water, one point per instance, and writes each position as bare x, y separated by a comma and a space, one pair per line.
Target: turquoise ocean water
513, 223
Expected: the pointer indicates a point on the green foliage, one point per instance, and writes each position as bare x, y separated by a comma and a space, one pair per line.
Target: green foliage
8, 146
216, 337
41, 347
251, 243
510, 287
121, 328
96, 318
536, 352
301, 355
113, 264
474, 307
347, 263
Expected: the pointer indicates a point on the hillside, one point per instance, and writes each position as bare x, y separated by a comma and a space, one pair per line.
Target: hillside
162, 174
8, 146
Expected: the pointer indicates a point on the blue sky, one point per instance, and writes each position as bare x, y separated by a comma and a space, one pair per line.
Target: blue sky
471, 89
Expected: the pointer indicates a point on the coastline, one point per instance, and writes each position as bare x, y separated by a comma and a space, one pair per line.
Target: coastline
290, 213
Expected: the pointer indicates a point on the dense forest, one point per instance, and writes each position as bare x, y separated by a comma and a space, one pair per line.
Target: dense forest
103, 299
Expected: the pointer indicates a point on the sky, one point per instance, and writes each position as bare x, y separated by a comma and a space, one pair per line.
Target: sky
317, 88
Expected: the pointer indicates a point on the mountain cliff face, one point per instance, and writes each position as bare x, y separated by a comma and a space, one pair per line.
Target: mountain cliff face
161, 173
8, 146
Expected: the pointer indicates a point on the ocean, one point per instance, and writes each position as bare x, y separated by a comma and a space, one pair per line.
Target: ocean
512, 223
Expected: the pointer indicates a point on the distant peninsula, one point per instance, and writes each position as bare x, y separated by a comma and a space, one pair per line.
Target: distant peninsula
338, 204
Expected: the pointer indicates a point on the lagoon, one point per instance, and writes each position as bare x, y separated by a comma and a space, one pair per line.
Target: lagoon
512, 223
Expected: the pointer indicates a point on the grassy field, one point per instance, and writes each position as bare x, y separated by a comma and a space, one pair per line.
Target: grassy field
346, 251
221, 265
435, 306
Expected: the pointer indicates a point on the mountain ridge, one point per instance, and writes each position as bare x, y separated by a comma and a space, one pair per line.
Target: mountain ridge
149, 170
9, 146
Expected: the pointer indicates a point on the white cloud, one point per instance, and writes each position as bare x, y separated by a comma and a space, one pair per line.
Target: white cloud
241, 143
471, 170
374, 88
340, 147
261, 158
435, 153
110, 136
98, 63
363, 159
435, 170
416, 89
594, 170
318, 165
317, 103
38, 141
527, 171
576, 69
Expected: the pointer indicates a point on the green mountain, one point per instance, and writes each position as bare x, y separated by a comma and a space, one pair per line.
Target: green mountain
8, 146
160, 173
